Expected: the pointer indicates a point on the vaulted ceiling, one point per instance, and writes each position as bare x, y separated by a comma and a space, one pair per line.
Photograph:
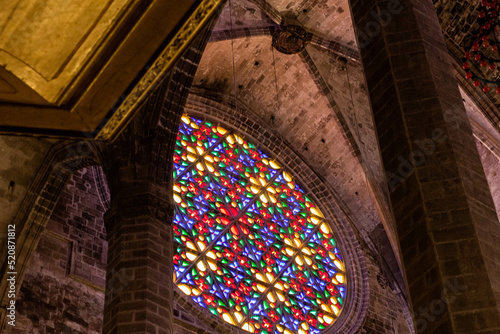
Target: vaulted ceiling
317, 101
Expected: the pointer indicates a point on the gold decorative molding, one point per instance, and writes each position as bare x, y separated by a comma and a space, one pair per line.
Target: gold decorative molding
161, 65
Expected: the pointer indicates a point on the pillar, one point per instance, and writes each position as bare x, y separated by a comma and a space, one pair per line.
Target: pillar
140, 269
445, 218
139, 166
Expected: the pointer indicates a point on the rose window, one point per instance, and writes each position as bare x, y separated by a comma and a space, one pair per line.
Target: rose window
250, 245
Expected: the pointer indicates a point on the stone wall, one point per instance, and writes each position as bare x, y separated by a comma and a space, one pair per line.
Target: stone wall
20, 157
387, 310
63, 289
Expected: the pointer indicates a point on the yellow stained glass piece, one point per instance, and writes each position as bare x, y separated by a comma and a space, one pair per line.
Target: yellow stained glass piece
191, 245
263, 198
328, 319
201, 266
325, 229
212, 265
316, 212
227, 318
199, 167
326, 308
274, 164
248, 327
261, 277
221, 130
238, 139
296, 242
339, 264
315, 220
177, 198
211, 255
185, 288
340, 278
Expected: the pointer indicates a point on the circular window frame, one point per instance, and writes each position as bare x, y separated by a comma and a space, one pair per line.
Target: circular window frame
260, 134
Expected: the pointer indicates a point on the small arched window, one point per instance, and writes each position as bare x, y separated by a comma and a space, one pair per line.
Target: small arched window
250, 245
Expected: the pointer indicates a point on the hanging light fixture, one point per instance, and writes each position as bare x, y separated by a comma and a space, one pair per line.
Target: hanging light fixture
290, 39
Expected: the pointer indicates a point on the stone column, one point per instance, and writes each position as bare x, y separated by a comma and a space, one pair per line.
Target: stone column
139, 279
140, 268
446, 222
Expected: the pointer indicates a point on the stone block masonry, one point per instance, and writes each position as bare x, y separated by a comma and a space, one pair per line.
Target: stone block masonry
445, 205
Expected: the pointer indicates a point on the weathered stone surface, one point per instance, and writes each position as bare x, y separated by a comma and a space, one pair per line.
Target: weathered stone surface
63, 289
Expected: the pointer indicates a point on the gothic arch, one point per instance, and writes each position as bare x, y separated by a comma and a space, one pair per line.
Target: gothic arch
244, 122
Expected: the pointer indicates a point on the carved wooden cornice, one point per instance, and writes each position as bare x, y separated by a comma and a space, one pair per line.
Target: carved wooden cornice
157, 71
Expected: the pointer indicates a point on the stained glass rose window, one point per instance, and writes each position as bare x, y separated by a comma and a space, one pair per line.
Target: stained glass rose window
250, 245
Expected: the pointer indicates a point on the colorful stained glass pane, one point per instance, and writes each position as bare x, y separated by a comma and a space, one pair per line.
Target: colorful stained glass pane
251, 246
